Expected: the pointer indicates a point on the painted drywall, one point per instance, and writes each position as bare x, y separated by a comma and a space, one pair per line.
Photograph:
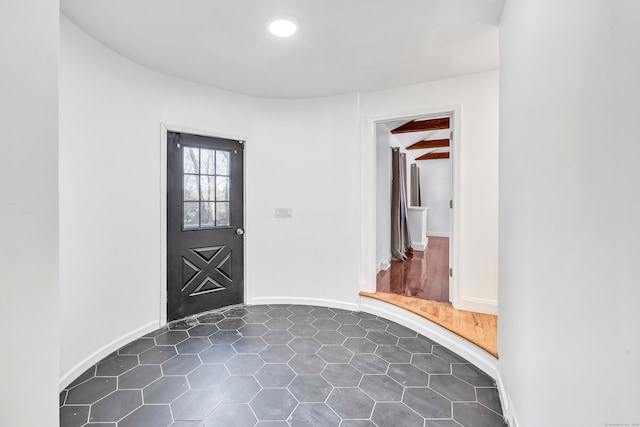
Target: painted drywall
29, 213
435, 189
477, 96
569, 294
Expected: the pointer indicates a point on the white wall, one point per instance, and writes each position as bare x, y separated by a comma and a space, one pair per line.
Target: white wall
569, 210
435, 189
477, 95
29, 213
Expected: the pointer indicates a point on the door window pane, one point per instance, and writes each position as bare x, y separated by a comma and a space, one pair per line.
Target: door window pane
190, 160
207, 187
207, 162
222, 162
191, 187
222, 189
207, 214
222, 214
191, 214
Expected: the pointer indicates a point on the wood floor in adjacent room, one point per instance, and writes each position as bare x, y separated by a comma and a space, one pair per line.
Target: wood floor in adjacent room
421, 285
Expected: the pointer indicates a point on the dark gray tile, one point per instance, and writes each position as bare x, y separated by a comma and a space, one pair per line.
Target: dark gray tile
238, 389
352, 331
74, 416
275, 324
252, 330
157, 355
277, 337
441, 423
393, 354
372, 325
91, 390
301, 319
447, 355
249, 345
350, 403
307, 364
116, 365
236, 312
382, 337
182, 364
472, 375
148, 415
369, 364
171, 338
360, 345
313, 414
342, 375
256, 318
188, 424
139, 377
63, 397
452, 388
207, 376
489, 397
279, 313
272, 424
401, 331
273, 404
203, 330
115, 406
364, 315
326, 324
224, 337
310, 388
431, 363
183, 325
99, 425
277, 353
138, 346
381, 387
357, 423
303, 330
244, 364
211, 318
257, 308
304, 345
335, 354
427, 402
231, 324
322, 313
157, 332
346, 319
165, 390
194, 405
408, 375
219, 353
275, 375
387, 414
330, 337
231, 415
89, 373
475, 415
300, 308
416, 345
193, 345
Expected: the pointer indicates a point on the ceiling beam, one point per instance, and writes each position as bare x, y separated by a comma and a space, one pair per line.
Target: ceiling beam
434, 143
423, 125
433, 156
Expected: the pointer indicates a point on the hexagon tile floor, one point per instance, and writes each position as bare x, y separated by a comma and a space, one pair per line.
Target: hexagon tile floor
298, 366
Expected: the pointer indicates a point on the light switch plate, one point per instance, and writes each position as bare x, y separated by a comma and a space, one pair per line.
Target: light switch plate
283, 213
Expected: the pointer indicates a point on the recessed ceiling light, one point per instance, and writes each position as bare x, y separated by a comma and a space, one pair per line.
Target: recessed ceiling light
282, 27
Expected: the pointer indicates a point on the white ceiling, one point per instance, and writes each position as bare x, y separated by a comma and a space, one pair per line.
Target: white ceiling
342, 45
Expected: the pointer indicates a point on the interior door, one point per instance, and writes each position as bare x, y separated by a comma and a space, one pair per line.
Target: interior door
205, 256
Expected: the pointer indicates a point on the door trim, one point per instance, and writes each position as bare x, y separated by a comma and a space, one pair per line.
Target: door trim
367, 270
164, 129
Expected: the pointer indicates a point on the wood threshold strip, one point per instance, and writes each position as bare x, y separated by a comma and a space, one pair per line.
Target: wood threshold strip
433, 156
477, 328
423, 125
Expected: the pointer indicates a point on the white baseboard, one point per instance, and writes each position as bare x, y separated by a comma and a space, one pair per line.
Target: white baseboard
477, 305
438, 233
420, 246
305, 301
73, 373
507, 407
384, 263
474, 354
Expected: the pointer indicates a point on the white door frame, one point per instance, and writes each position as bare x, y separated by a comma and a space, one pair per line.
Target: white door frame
164, 129
367, 267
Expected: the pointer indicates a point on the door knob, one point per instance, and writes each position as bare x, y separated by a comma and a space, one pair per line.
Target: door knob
239, 231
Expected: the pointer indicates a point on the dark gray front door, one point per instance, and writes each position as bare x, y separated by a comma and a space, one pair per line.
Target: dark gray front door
204, 224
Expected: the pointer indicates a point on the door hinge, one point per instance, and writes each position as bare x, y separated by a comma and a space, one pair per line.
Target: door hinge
450, 204
451, 272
